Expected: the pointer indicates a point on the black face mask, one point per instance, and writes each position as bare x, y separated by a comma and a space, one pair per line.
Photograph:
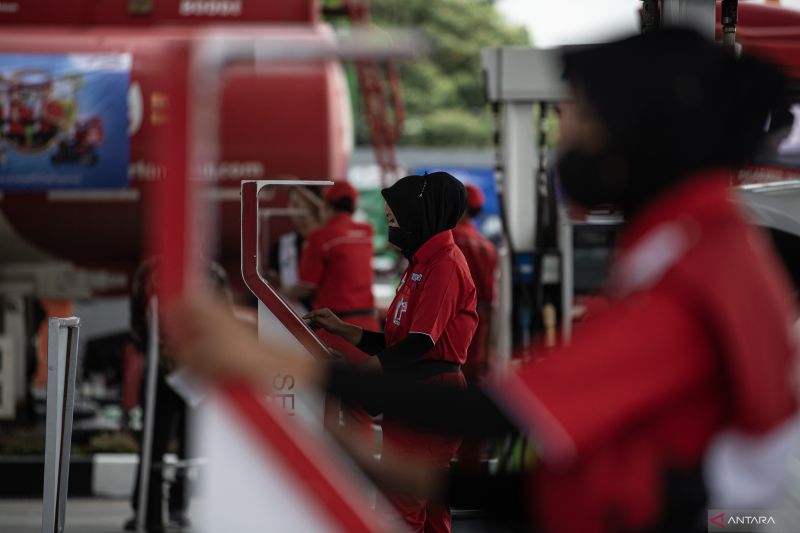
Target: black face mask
593, 179
404, 240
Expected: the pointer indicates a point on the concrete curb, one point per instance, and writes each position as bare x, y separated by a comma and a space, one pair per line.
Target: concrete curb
107, 475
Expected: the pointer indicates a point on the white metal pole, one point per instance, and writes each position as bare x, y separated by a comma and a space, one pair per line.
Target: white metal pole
62, 350
502, 326
146, 459
70, 373
55, 403
519, 188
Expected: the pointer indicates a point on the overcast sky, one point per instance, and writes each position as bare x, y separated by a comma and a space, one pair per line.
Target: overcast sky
557, 22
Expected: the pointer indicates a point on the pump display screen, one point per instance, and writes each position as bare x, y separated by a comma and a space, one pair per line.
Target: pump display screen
593, 246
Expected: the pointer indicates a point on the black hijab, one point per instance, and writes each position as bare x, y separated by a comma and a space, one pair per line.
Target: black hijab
424, 206
672, 104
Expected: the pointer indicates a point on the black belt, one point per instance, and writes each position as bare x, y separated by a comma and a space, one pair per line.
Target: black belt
429, 368
355, 312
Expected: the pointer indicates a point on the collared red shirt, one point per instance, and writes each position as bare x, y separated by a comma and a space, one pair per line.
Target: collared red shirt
436, 297
481, 257
337, 262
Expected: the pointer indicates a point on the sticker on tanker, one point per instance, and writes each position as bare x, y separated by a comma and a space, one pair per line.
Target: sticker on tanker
210, 8
64, 121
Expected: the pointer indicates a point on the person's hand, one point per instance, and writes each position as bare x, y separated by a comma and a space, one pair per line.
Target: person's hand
204, 335
327, 320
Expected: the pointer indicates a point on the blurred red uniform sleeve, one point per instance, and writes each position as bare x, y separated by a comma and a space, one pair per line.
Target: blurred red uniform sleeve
627, 363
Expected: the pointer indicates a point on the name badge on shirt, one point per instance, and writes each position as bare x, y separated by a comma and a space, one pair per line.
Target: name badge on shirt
402, 307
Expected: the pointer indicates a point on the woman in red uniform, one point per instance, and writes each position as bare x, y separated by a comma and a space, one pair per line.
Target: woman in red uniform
682, 396
429, 324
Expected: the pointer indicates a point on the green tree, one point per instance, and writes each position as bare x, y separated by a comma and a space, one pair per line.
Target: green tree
444, 93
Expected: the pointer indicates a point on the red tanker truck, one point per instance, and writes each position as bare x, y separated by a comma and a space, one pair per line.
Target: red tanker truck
276, 120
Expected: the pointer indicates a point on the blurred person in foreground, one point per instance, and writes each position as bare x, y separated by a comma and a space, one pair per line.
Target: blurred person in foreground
170, 420
683, 394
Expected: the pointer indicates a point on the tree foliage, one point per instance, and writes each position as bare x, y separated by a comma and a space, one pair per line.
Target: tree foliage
444, 93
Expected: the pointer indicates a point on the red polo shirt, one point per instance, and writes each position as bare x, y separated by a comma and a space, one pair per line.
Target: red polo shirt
481, 257
436, 297
697, 339
337, 261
